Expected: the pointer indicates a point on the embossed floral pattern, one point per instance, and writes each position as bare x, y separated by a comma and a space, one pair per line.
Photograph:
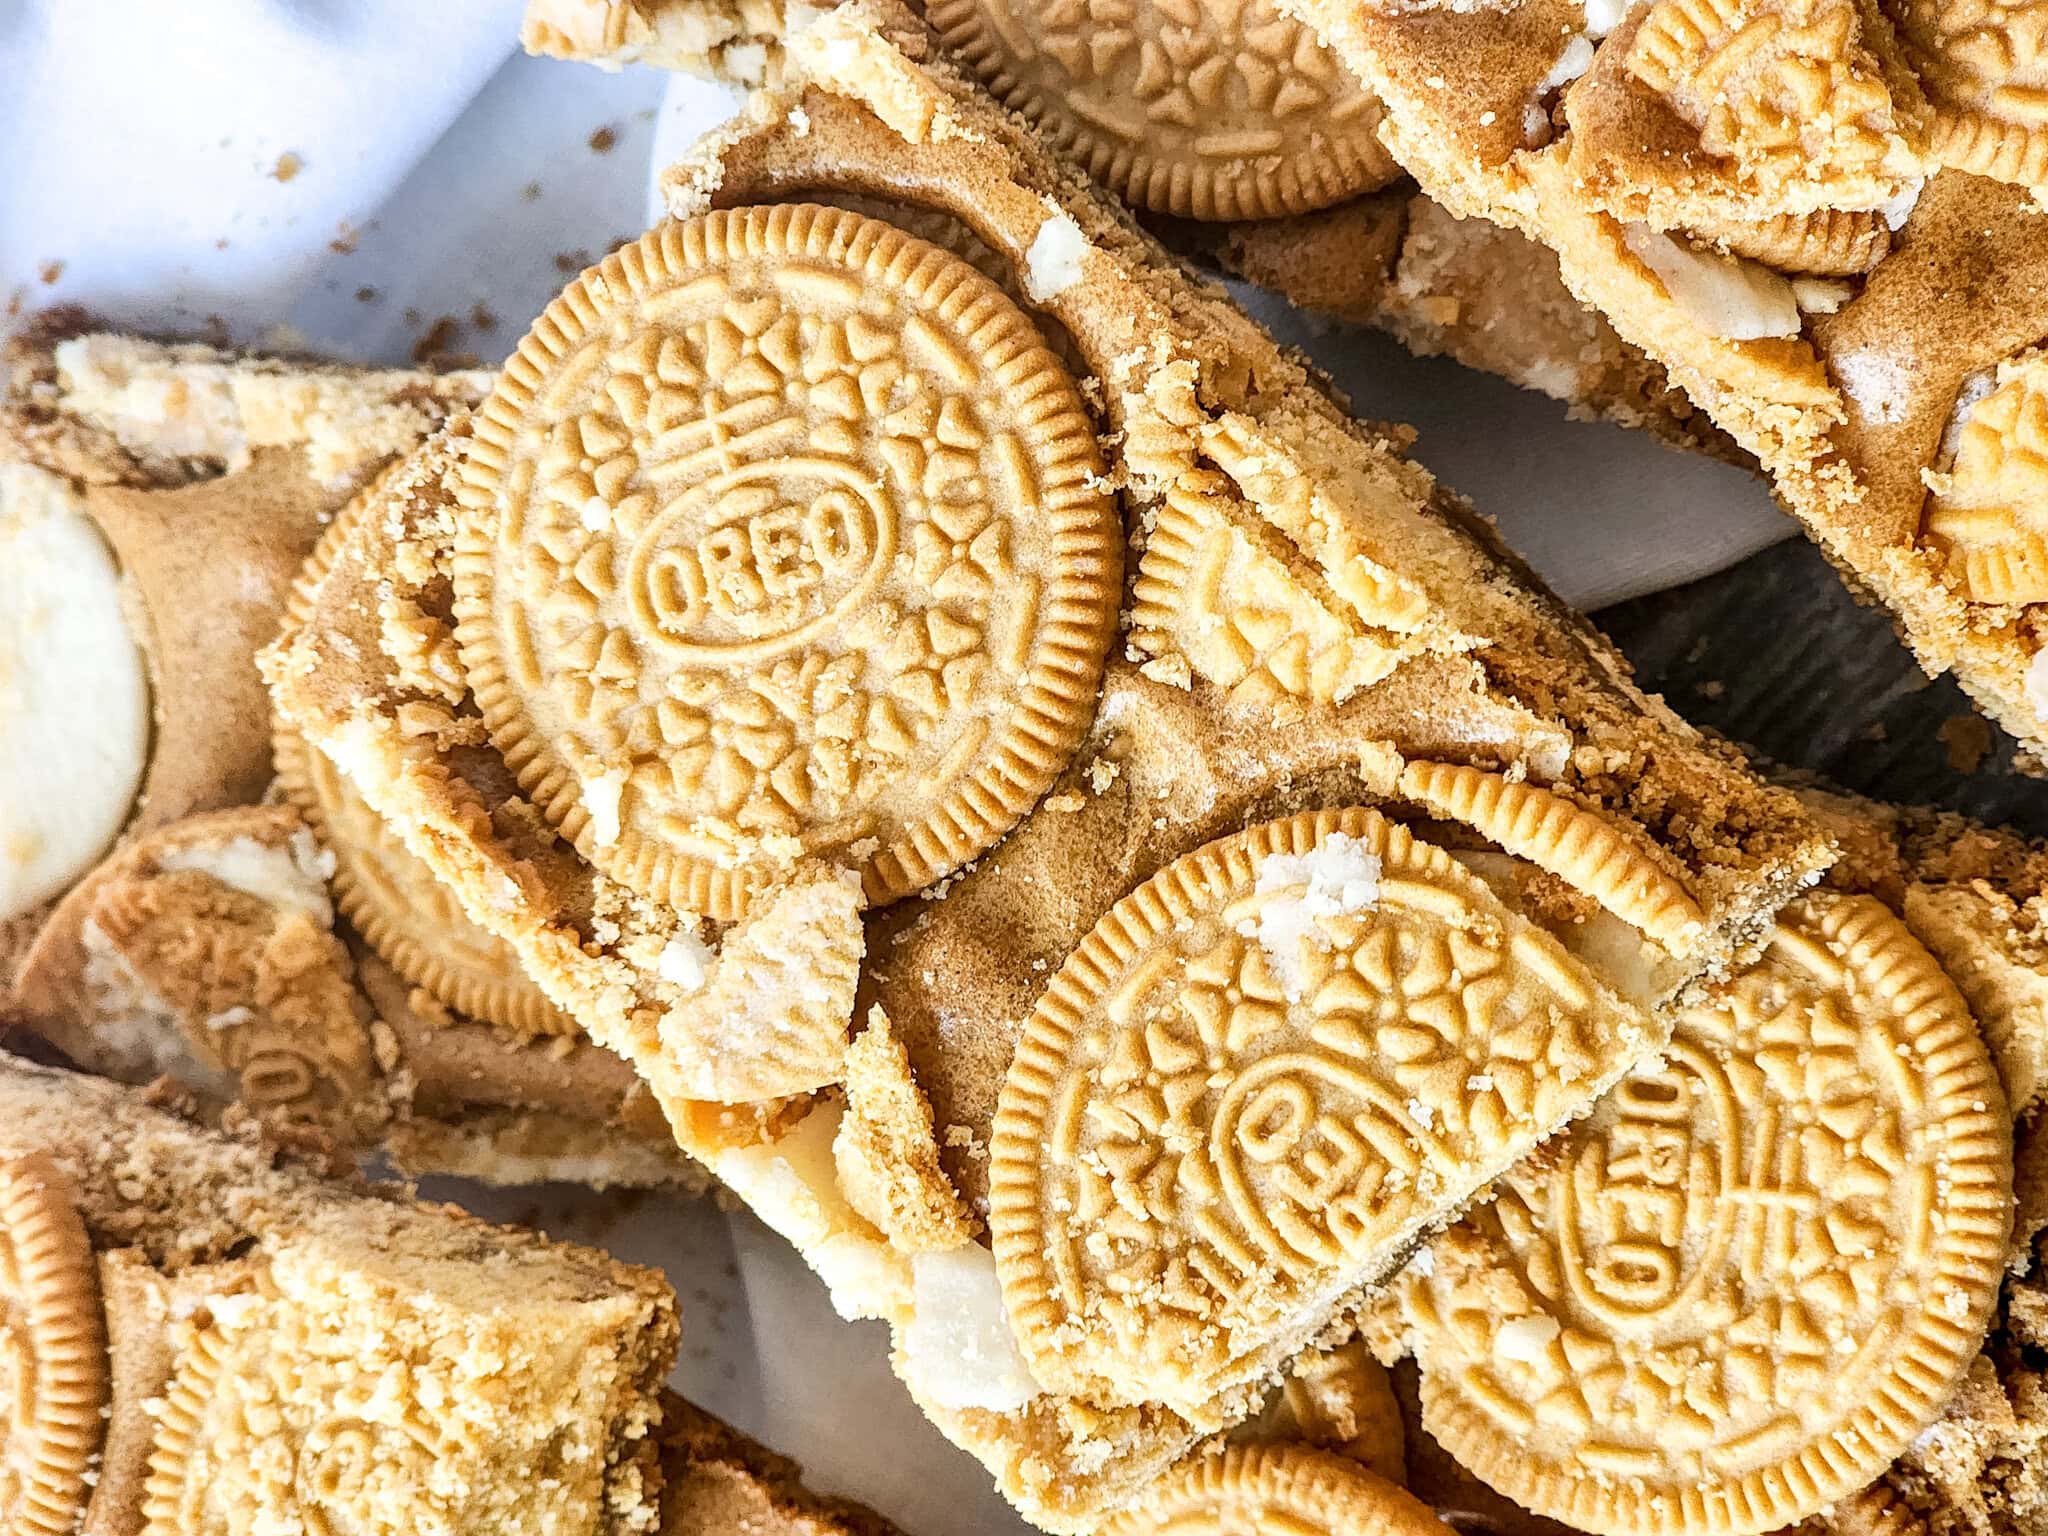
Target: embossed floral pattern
1989, 512
795, 506
1185, 1159
1195, 107
1747, 1279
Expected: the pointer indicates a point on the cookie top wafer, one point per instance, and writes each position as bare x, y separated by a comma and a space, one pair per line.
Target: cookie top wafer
53, 1367
1250, 1490
1755, 1272
1725, 112
1208, 110
1253, 1082
781, 538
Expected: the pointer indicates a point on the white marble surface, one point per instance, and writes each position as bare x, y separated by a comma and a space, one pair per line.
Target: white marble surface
441, 175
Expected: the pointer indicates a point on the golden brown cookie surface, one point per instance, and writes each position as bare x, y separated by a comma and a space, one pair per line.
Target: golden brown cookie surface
1753, 1274
1984, 69
53, 1366
782, 539
1211, 109
1258, 1075
402, 911
1251, 1490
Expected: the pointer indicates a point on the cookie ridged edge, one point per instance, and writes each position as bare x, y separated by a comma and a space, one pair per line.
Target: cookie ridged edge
1579, 845
66, 1327
1178, 893
524, 1011
1978, 1169
1078, 614
1294, 1480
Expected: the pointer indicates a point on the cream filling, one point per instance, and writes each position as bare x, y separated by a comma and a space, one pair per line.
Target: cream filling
1633, 965
1334, 878
2037, 683
136, 1034
74, 692
1053, 263
684, 961
290, 878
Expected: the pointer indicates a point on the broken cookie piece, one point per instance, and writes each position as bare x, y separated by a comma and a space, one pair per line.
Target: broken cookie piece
1354, 1033
1811, 1193
205, 951
737, 40
211, 952
1763, 198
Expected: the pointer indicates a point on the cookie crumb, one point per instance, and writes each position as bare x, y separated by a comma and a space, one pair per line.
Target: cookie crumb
1712, 688
344, 241
49, 272
483, 317
604, 140
439, 338
366, 295
1968, 740
530, 193
288, 166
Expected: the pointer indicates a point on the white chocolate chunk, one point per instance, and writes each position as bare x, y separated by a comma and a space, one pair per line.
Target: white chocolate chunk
1053, 264
958, 1350
1725, 296
793, 1185
1573, 60
74, 692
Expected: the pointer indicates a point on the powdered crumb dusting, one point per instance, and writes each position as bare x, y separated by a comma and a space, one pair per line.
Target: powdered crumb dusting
1336, 877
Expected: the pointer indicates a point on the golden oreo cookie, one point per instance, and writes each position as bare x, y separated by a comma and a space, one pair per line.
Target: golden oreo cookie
53, 1366
1752, 1274
1256, 1079
1774, 87
1984, 68
1989, 512
265, 1417
782, 537
406, 915
1209, 111
1264, 1490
